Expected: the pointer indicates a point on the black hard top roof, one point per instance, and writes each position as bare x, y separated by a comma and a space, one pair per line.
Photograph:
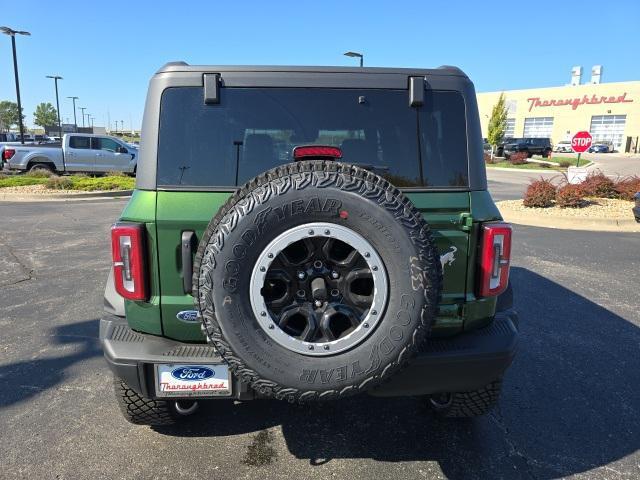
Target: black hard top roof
444, 70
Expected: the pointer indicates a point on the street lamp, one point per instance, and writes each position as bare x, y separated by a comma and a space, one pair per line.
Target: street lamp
75, 122
356, 55
12, 33
83, 109
55, 79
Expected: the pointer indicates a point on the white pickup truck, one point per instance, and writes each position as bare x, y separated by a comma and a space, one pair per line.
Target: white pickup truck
78, 153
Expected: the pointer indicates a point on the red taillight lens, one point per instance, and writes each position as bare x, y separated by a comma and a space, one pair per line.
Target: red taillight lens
8, 153
495, 257
128, 252
316, 151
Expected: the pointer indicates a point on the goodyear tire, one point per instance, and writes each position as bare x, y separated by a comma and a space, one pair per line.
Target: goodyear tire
316, 280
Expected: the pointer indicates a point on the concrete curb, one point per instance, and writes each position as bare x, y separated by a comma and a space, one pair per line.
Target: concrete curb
598, 224
110, 194
534, 170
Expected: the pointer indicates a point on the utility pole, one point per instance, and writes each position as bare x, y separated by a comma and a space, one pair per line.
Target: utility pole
75, 122
83, 109
55, 79
12, 33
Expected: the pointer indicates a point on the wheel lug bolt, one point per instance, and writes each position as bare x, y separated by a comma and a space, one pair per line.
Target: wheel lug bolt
365, 325
310, 347
327, 232
317, 265
318, 303
301, 275
326, 347
374, 268
334, 274
301, 293
374, 312
335, 292
263, 269
367, 254
272, 326
270, 255
263, 314
311, 232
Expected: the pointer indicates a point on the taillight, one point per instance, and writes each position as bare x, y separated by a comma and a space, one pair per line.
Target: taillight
316, 151
495, 257
128, 253
8, 153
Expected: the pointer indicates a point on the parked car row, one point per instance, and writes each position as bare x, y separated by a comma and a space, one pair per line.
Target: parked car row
541, 146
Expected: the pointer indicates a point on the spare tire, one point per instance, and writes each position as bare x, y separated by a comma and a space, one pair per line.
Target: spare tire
316, 280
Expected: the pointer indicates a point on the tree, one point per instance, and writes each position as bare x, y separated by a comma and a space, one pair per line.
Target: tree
497, 122
8, 114
45, 115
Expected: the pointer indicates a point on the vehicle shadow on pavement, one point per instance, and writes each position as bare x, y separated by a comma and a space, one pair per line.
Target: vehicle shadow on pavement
25, 379
570, 404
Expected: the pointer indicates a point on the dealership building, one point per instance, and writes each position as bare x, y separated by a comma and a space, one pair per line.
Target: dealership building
610, 111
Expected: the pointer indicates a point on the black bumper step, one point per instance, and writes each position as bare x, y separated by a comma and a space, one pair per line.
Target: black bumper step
465, 362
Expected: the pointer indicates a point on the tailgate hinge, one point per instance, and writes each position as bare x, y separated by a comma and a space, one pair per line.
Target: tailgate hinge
465, 221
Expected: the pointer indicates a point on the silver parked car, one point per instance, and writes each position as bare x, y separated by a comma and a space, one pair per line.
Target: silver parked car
78, 153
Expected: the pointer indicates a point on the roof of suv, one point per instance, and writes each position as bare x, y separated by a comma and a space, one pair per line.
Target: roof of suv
213, 77
444, 70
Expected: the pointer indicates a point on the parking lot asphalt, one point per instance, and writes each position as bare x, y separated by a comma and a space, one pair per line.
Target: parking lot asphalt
570, 408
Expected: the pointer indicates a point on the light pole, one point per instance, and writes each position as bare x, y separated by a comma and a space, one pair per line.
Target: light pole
122, 126
12, 33
356, 55
55, 79
83, 109
75, 122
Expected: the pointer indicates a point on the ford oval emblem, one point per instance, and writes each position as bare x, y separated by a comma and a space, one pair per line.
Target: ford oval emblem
192, 373
188, 316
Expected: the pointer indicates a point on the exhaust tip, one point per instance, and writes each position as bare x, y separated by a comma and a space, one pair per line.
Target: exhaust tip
186, 407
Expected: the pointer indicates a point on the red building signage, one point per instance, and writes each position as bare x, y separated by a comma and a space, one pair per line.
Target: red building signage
535, 102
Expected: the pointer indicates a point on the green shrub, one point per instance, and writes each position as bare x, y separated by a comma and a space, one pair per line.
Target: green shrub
59, 183
597, 184
565, 163
39, 173
627, 187
518, 158
115, 174
570, 196
545, 165
540, 193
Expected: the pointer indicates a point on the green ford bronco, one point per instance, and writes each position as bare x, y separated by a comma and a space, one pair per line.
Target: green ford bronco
308, 234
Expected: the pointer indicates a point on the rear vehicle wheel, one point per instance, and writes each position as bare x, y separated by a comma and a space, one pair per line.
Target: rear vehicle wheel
466, 404
140, 410
42, 167
316, 280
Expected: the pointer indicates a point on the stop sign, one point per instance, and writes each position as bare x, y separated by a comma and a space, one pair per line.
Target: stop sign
581, 142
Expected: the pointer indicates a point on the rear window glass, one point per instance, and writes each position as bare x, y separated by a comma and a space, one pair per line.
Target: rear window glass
79, 142
254, 129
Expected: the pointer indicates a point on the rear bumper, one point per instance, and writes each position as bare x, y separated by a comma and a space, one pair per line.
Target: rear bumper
462, 363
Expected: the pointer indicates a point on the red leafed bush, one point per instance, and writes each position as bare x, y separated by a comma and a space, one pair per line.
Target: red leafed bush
540, 193
518, 158
627, 187
570, 196
597, 184
487, 158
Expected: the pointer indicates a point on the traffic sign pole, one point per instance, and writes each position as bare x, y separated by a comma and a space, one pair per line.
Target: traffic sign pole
578, 162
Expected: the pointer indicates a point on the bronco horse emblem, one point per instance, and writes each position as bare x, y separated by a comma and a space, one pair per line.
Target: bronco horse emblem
449, 257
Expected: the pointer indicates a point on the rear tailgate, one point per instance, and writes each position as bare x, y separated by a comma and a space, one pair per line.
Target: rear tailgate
184, 211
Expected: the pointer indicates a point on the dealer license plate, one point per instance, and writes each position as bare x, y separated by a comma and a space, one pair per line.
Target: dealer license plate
197, 380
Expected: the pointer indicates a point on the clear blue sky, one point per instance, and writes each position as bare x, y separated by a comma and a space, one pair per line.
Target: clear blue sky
107, 51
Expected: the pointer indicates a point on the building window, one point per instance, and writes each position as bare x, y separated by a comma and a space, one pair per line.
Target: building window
538, 127
510, 130
608, 128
